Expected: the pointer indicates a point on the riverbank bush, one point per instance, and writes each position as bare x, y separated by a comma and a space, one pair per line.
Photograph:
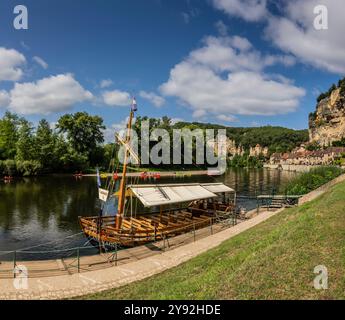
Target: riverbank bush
28, 168
20, 168
312, 180
246, 161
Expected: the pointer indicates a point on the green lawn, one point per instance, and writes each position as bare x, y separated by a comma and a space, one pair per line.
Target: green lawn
274, 260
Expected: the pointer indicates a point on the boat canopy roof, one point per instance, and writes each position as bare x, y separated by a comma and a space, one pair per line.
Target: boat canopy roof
164, 194
218, 188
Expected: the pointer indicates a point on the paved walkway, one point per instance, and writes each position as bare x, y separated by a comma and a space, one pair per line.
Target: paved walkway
66, 286
70, 264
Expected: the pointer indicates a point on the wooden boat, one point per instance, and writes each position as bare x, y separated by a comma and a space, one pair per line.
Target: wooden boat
182, 208
152, 212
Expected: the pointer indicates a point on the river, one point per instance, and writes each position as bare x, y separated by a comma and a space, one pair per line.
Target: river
40, 214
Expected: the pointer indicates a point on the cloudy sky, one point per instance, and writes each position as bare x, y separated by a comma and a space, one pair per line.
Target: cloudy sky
233, 62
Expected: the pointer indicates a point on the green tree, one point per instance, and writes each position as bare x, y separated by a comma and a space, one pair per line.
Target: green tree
45, 146
25, 145
84, 132
8, 135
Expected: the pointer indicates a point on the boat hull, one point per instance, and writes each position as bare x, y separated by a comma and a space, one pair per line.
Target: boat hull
145, 228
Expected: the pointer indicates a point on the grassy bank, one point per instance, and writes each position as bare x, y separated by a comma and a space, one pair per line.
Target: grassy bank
274, 260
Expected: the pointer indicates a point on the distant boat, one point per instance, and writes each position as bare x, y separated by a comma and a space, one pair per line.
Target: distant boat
147, 213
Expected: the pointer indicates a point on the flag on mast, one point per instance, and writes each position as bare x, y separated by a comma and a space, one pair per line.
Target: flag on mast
134, 105
98, 178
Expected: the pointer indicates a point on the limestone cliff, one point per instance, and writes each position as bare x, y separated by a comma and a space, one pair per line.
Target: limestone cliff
327, 124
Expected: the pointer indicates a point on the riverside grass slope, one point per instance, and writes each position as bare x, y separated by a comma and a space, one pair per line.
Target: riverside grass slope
274, 260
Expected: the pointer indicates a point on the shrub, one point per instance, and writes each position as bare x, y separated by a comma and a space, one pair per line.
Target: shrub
21, 168
312, 180
9, 167
28, 168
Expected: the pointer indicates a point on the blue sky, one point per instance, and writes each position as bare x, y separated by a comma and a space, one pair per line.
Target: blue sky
238, 63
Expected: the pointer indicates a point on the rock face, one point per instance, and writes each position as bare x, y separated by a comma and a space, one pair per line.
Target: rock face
231, 148
327, 124
258, 151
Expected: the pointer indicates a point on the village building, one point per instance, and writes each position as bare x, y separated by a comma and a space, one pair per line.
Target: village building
310, 158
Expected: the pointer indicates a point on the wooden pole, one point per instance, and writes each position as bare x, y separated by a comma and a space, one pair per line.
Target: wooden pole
122, 192
14, 263
78, 256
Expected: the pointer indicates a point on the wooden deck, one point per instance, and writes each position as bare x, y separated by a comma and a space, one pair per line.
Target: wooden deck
146, 228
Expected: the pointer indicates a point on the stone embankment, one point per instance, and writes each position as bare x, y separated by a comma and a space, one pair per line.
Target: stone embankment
288, 167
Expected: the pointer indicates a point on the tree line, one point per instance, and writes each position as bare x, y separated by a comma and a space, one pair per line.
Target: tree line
276, 139
77, 143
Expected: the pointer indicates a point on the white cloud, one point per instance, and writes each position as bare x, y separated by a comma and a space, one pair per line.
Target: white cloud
24, 45
233, 54
106, 83
222, 28
116, 98
295, 33
191, 14
255, 124
226, 118
41, 62
250, 10
4, 98
53, 125
155, 99
176, 120
199, 113
10, 62
226, 77
120, 128
52, 94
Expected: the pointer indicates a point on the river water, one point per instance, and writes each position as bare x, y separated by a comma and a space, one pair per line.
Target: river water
39, 214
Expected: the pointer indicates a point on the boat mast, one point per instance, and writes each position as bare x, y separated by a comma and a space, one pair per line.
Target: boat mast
122, 191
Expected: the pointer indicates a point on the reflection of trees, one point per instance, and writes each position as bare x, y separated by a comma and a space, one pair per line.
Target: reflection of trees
60, 198
63, 199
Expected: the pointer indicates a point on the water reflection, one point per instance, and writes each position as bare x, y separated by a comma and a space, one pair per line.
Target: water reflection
44, 211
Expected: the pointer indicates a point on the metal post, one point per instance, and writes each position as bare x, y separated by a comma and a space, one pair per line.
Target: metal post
115, 254
194, 230
78, 256
163, 242
211, 226
14, 263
